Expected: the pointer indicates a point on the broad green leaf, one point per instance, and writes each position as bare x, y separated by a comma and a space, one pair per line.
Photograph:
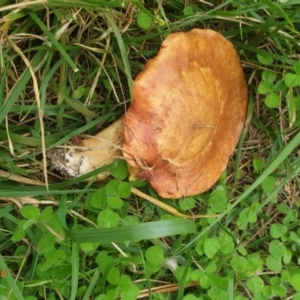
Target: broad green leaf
188, 11
190, 297
277, 230
295, 282
297, 67
114, 201
119, 169
255, 284
132, 294
187, 203
295, 237
99, 199
272, 100
46, 215
265, 87
204, 281
268, 185
125, 283
258, 164
108, 218
275, 281
211, 268
112, 187
239, 263
264, 59
53, 225
276, 248
279, 86
211, 246
218, 200
196, 274
279, 290
226, 243
148, 230
130, 220
223, 176
182, 274
55, 256
283, 208
267, 292
113, 276
242, 221
268, 75
292, 80
199, 247
144, 20
286, 276
215, 293
155, 255
79, 92
28, 223
252, 217
30, 212
274, 263
112, 293
104, 260
290, 217
124, 189
113, 198
18, 235
255, 263
46, 243
296, 296
88, 247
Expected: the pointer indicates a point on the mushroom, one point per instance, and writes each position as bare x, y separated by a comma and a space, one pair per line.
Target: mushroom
187, 112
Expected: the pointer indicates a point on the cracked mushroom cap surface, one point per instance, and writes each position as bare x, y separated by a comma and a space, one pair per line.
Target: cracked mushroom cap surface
187, 112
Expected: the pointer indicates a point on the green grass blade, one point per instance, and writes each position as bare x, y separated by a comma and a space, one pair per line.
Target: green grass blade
51, 37
91, 4
83, 129
122, 51
19, 87
150, 230
75, 270
10, 280
91, 286
280, 12
279, 159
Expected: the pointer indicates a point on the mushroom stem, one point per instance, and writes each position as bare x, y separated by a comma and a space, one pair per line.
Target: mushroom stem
92, 153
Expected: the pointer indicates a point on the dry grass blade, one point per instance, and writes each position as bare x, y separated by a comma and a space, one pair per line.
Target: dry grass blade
164, 289
38, 102
20, 179
169, 208
21, 201
246, 248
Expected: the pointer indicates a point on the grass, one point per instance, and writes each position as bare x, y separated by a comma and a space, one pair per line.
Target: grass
67, 69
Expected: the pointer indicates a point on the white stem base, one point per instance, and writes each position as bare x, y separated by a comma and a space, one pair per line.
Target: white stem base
94, 152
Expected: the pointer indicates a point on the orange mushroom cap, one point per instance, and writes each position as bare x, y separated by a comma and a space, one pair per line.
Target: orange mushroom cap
187, 112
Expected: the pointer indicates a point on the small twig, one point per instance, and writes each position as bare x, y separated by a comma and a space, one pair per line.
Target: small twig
20, 179
167, 207
164, 289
